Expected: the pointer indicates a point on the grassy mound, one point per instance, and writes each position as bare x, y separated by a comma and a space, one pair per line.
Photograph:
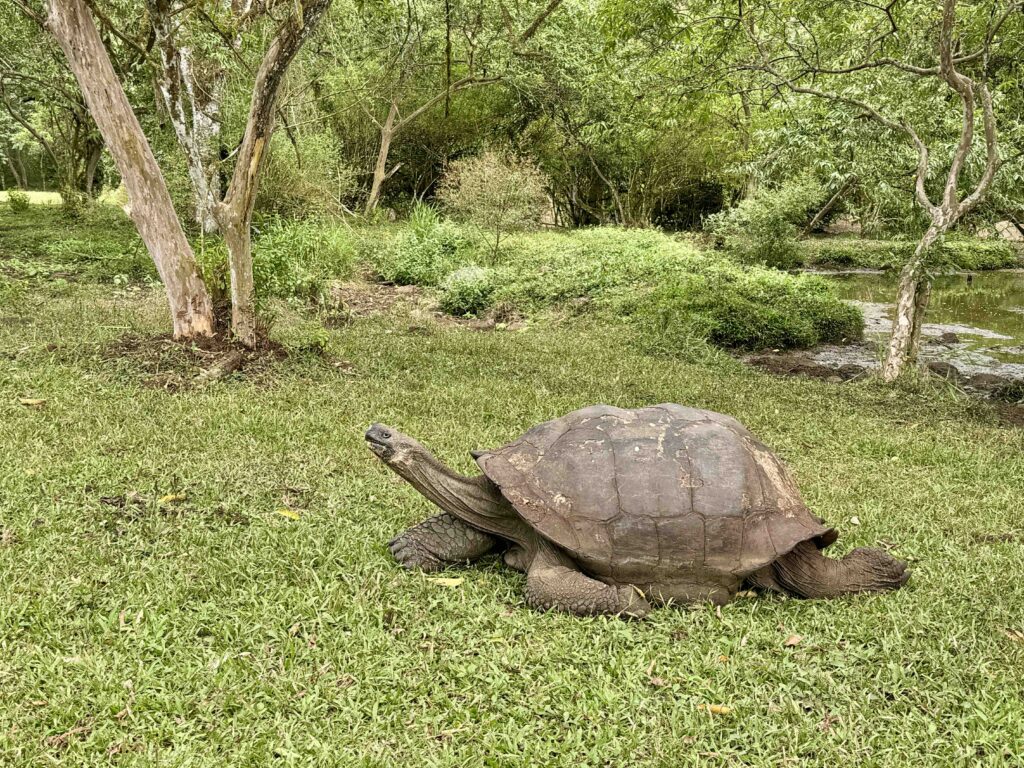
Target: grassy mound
670, 289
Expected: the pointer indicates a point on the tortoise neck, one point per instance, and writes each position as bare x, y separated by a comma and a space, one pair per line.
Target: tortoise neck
474, 500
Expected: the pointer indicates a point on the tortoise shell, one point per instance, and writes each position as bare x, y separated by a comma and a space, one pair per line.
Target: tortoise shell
658, 492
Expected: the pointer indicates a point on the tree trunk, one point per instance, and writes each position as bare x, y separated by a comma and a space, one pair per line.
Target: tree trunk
234, 213
911, 301
90, 168
150, 204
193, 109
380, 173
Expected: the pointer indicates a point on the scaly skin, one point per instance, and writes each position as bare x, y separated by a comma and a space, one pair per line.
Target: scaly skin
440, 541
553, 584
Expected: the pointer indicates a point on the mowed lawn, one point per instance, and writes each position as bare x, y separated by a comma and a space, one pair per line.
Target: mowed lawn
156, 608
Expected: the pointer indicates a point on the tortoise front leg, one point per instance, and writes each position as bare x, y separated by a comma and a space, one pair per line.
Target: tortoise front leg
440, 541
554, 583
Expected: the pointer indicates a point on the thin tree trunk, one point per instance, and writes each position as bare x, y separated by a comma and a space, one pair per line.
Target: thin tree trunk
150, 204
234, 213
911, 302
90, 168
820, 215
380, 174
194, 114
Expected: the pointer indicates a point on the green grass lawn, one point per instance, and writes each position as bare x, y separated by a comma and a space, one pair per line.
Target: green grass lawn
210, 630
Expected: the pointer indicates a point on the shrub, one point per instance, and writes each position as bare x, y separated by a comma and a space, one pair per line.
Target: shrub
677, 296
73, 204
18, 201
976, 254
296, 259
954, 253
423, 253
748, 310
497, 193
468, 291
320, 184
764, 229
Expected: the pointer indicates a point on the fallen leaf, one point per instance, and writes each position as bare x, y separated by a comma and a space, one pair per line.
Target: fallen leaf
854, 520
657, 682
32, 402
8, 537
793, 640
171, 498
294, 629
291, 514
717, 709
723, 659
443, 582
1014, 634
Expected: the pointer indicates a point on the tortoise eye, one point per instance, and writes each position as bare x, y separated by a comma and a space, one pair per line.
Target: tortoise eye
386, 435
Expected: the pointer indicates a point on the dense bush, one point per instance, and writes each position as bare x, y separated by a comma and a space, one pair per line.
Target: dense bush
18, 201
496, 193
957, 252
296, 259
763, 229
676, 294
424, 252
468, 291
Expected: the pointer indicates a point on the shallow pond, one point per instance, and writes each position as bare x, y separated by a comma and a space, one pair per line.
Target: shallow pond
984, 309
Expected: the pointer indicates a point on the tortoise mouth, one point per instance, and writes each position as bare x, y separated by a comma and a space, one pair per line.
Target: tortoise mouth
378, 444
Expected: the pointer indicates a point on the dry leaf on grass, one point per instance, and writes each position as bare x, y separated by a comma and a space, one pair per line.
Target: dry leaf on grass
443, 582
171, 498
291, 514
793, 640
1014, 634
32, 402
717, 709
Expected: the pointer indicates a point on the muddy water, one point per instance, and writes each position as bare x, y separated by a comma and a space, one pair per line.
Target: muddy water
985, 309
984, 312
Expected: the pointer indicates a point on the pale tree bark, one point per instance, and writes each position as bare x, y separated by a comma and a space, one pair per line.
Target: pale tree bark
394, 123
234, 213
193, 107
915, 282
150, 204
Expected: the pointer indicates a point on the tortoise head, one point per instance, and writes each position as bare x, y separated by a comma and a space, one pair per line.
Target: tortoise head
396, 450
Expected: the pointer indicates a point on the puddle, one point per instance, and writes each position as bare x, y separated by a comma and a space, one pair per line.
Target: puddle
974, 331
985, 310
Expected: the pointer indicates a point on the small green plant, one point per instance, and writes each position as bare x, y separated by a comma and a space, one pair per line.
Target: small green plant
73, 204
296, 259
423, 253
468, 291
764, 229
18, 201
497, 193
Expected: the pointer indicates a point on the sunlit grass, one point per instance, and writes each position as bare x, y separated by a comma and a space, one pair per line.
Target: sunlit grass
212, 631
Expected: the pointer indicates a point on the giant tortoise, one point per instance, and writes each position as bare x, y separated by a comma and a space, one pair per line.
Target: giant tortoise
610, 510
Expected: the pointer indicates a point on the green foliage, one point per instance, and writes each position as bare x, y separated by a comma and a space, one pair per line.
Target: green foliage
422, 253
763, 229
297, 258
468, 291
749, 310
955, 252
315, 185
18, 201
497, 193
73, 204
675, 293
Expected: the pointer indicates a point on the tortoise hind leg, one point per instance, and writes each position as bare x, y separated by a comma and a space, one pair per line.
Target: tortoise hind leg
439, 541
805, 572
555, 584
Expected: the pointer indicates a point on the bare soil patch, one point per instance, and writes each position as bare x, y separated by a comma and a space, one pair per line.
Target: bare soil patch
162, 362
